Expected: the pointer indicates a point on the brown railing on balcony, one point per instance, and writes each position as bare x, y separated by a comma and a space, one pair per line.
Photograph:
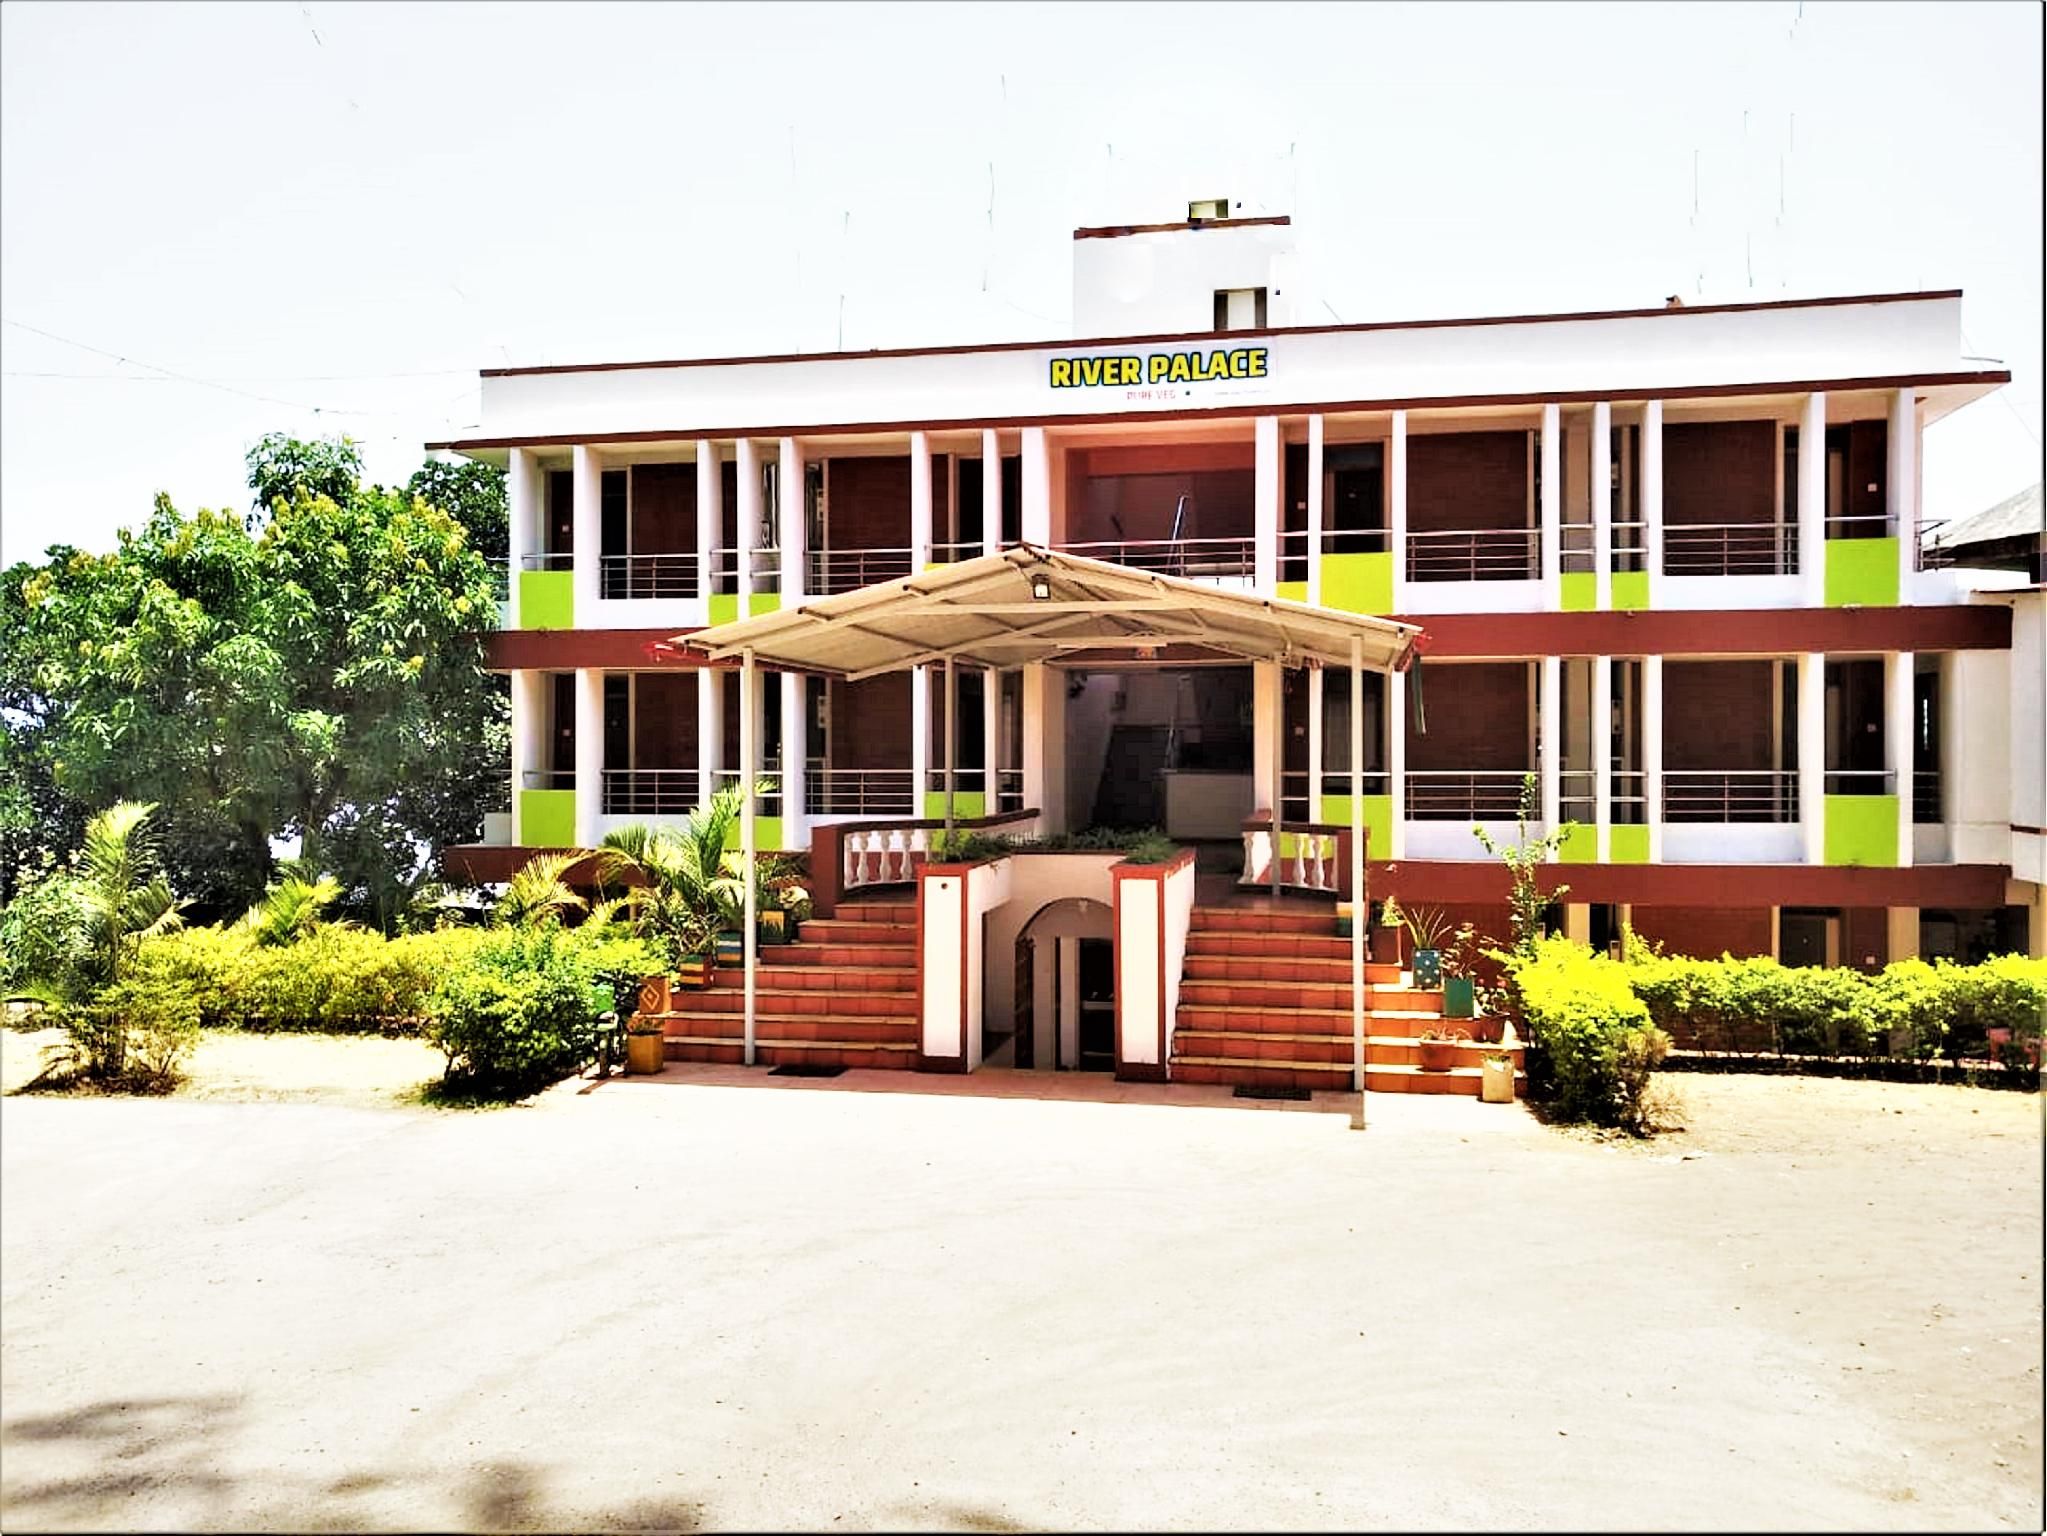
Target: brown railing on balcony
847, 570
1730, 549
1194, 558
1927, 801
649, 791
1456, 795
647, 575
1474, 554
1730, 795
859, 791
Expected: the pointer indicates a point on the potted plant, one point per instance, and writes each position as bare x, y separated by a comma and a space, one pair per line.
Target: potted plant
1428, 927
1386, 933
694, 970
1496, 1078
1438, 1047
1460, 986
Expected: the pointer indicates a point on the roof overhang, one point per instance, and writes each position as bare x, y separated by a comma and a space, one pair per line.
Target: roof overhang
1029, 604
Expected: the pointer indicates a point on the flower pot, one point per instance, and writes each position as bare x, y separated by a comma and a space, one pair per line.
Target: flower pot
1385, 945
644, 1054
1428, 968
1438, 1055
694, 972
654, 994
1496, 1080
731, 947
1460, 997
1343, 919
774, 927
1488, 1031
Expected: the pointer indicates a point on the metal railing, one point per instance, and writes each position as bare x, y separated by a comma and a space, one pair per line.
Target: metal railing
1296, 543
1474, 554
767, 569
1195, 558
1730, 549
1861, 781
1628, 805
1455, 795
559, 560
500, 567
847, 570
949, 554
548, 778
1730, 795
1577, 552
1009, 789
1631, 545
647, 575
859, 791
769, 803
1294, 784
1862, 525
1928, 804
649, 791
966, 781
1577, 795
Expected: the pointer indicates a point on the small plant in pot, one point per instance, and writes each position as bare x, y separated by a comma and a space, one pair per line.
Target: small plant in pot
1438, 1047
1460, 985
1386, 932
1429, 927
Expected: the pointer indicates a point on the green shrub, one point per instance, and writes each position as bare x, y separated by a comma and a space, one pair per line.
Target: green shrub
1597, 1043
1911, 1010
519, 1011
2007, 992
134, 1035
46, 935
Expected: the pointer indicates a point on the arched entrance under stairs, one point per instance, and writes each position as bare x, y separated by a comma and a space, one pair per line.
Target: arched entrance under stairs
1060, 1012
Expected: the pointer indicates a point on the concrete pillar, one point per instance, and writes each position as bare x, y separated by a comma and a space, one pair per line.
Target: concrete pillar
1652, 496
523, 491
1316, 514
991, 736
1551, 505
789, 521
588, 519
589, 744
710, 731
529, 740
1265, 512
920, 502
1812, 501
1901, 485
1035, 516
920, 738
1602, 505
1901, 933
1317, 758
1652, 752
991, 491
795, 738
1812, 745
1899, 708
1578, 921
1396, 760
1396, 514
1602, 752
710, 513
748, 517
1265, 727
1550, 741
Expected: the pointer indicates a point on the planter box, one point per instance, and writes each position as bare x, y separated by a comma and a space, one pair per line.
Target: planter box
774, 927
1460, 997
694, 973
654, 996
1428, 968
644, 1054
731, 948
1344, 919
1496, 1081
1385, 944
1437, 1055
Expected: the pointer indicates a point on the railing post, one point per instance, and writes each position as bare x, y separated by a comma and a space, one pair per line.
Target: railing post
1812, 745
1315, 520
1396, 507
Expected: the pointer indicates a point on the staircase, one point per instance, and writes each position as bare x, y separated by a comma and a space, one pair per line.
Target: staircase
843, 995
1265, 1001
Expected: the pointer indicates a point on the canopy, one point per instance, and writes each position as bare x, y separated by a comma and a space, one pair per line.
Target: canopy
1029, 604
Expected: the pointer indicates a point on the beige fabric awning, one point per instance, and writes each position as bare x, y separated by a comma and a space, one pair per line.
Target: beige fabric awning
1029, 604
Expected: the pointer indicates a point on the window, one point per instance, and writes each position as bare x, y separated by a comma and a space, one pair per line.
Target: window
1239, 309
1208, 208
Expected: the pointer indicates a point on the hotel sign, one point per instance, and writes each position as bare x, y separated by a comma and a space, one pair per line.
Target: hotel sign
1135, 370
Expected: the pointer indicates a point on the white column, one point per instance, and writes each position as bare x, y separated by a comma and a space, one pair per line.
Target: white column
1265, 517
1396, 517
1316, 514
1265, 727
1044, 744
1652, 499
529, 740
1899, 707
1652, 752
991, 736
1550, 504
1316, 757
1035, 516
1812, 503
1901, 933
523, 488
1901, 483
991, 491
920, 501
790, 519
1812, 743
710, 731
710, 513
1396, 759
1602, 507
920, 738
1602, 751
1550, 765
589, 749
749, 839
589, 527
795, 767
748, 518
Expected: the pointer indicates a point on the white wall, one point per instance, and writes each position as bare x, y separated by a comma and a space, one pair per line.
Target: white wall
952, 970
1166, 280
2028, 727
1036, 881
1979, 733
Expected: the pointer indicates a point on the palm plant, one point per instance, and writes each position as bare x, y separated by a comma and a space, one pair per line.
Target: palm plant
539, 894
291, 909
127, 898
684, 884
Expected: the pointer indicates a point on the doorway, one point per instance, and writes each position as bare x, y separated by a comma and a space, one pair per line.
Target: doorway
1097, 982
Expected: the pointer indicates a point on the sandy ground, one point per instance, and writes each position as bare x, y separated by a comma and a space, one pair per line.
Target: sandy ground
708, 1301
330, 1069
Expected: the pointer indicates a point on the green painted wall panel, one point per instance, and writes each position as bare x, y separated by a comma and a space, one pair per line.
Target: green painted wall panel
1627, 845
1862, 571
767, 834
1862, 829
547, 817
724, 606
1334, 810
965, 804
1580, 844
1580, 591
1291, 591
1358, 583
547, 600
1631, 589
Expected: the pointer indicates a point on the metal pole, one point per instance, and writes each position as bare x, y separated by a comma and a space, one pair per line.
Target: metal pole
1278, 764
749, 739
952, 736
1359, 913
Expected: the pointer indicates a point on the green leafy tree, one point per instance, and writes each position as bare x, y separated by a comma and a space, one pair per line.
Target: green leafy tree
1524, 858
281, 467
474, 495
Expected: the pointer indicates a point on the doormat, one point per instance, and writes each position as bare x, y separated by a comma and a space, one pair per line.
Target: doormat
1259, 1091
804, 1069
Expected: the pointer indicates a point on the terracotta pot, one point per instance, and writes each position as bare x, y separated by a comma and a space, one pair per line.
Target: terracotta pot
644, 1054
1438, 1055
1488, 1031
1385, 945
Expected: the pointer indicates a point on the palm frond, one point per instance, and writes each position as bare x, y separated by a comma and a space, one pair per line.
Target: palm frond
539, 893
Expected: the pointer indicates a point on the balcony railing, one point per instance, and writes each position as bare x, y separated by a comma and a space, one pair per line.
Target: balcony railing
647, 576
1861, 781
1730, 549
1577, 795
1862, 525
1577, 551
769, 803
1474, 554
1009, 789
558, 560
1629, 803
548, 778
1927, 801
966, 781
951, 554
859, 791
847, 570
1194, 558
649, 791
1730, 795
1630, 545
767, 569
1455, 795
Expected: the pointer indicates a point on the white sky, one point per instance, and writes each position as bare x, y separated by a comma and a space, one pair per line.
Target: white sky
354, 207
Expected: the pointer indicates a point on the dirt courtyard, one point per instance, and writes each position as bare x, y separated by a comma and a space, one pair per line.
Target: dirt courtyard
710, 1300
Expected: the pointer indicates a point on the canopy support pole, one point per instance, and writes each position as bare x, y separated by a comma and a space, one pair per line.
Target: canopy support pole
749, 731
1278, 767
1359, 914
952, 736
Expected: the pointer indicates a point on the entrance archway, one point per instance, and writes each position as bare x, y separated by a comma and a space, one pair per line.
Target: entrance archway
1063, 1009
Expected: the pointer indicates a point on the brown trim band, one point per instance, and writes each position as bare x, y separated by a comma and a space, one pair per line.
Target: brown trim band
1714, 632
1114, 231
1993, 377
1828, 302
1747, 886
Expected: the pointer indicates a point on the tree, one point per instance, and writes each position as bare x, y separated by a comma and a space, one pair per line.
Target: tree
1524, 857
281, 466
474, 495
